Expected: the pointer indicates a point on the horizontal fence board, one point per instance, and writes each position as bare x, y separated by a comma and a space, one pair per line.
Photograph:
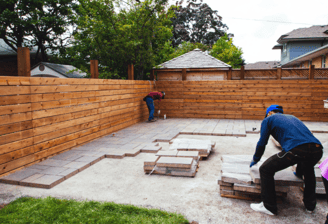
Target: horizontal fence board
14, 90
14, 109
16, 99
7, 157
15, 127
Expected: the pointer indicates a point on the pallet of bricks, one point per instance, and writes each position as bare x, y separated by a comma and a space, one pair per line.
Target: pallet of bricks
181, 159
238, 181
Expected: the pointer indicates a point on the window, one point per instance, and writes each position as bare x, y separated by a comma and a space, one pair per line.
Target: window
323, 62
284, 48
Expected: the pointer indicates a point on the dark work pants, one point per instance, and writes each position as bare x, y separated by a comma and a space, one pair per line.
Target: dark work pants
151, 107
305, 156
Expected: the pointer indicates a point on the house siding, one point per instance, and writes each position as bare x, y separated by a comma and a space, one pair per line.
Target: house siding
317, 62
299, 48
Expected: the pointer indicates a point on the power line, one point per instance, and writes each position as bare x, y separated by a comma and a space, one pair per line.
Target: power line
260, 20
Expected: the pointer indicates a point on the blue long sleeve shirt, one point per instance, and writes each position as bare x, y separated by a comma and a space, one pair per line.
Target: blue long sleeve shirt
288, 130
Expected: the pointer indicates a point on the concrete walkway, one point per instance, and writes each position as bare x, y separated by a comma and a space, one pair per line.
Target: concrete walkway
83, 174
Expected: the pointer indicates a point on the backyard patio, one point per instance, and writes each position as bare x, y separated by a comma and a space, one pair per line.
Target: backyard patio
120, 177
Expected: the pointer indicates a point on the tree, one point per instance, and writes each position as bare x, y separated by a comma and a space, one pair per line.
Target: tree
185, 47
118, 36
227, 52
36, 23
196, 23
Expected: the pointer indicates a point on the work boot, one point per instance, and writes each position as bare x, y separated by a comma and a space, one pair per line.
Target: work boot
326, 219
152, 120
259, 207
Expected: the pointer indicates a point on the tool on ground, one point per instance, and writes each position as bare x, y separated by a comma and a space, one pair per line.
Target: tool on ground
164, 116
254, 129
158, 113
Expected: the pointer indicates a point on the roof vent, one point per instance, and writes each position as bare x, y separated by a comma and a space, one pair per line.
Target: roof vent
266, 62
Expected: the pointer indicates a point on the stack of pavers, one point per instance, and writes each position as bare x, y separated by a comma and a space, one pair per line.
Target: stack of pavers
181, 160
238, 181
204, 147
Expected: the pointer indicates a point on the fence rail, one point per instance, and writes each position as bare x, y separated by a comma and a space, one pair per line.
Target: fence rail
249, 74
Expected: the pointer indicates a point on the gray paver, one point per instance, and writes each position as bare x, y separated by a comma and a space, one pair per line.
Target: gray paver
18, 176
47, 181
53, 170
53, 162
174, 162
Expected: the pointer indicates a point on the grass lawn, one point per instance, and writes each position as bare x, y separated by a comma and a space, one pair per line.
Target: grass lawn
52, 210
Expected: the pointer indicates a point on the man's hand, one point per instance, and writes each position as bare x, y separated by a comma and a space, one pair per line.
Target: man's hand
253, 163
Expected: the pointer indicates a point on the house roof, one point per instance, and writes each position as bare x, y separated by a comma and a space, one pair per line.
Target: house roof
262, 65
63, 69
308, 56
194, 59
5, 50
277, 46
310, 33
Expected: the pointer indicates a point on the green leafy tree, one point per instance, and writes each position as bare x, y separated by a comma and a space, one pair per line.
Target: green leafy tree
196, 23
117, 36
227, 52
36, 23
185, 47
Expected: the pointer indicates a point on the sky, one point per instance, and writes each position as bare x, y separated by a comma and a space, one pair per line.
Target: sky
257, 24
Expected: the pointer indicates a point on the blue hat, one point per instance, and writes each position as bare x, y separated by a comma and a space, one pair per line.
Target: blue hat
274, 107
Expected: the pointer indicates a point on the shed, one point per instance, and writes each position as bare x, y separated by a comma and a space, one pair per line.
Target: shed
194, 65
46, 69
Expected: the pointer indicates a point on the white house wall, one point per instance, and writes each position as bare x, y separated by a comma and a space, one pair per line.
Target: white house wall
46, 71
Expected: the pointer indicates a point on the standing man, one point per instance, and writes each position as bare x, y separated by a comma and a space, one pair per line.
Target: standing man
299, 147
150, 102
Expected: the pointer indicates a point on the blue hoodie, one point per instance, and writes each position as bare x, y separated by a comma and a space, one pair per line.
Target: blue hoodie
288, 130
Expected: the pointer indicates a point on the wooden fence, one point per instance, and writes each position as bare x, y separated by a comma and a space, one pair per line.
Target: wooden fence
40, 117
241, 74
243, 99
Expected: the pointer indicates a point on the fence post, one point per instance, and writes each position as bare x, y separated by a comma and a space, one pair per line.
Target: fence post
94, 69
279, 73
23, 61
152, 77
229, 77
242, 72
130, 72
311, 72
184, 74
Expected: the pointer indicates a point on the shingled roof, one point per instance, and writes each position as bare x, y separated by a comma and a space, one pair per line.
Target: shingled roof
262, 65
313, 32
194, 59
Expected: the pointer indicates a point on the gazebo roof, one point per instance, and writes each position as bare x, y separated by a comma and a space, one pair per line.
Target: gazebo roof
193, 59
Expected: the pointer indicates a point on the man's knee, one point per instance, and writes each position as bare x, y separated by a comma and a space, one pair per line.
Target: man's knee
265, 169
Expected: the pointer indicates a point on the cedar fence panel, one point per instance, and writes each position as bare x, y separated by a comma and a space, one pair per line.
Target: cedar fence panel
40, 117
244, 99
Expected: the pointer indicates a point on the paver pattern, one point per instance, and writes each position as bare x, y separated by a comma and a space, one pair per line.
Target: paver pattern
141, 137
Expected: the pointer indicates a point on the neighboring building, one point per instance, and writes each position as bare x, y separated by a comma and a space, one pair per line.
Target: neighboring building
198, 65
304, 47
262, 65
45, 69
